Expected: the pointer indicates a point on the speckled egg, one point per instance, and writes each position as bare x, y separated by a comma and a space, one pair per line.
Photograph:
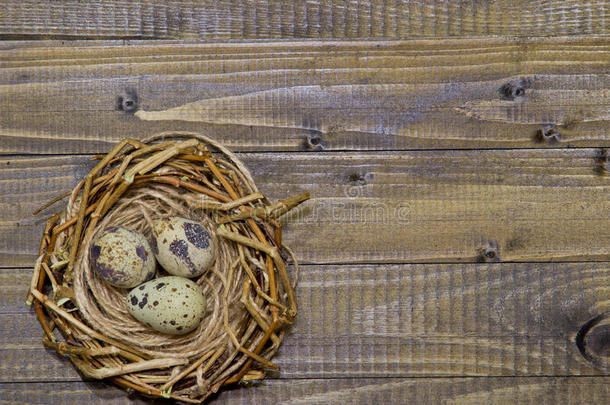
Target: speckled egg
122, 257
172, 305
183, 246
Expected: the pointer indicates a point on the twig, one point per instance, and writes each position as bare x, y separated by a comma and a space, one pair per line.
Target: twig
64, 348
244, 240
239, 346
53, 201
192, 367
155, 160
250, 306
257, 350
105, 372
271, 211
59, 311
226, 206
84, 201
34, 280
255, 228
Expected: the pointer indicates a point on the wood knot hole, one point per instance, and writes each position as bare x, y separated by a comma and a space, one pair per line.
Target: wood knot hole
128, 101
549, 133
490, 252
514, 88
357, 179
315, 141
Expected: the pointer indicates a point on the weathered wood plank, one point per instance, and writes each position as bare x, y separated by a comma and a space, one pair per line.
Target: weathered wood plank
384, 95
311, 19
466, 391
446, 206
503, 319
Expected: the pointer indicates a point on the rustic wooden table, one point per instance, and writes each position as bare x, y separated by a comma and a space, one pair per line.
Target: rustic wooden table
457, 245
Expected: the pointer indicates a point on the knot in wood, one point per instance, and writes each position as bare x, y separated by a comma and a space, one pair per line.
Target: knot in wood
128, 101
593, 341
602, 163
490, 252
514, 88
315, 142
357, 179
549, 133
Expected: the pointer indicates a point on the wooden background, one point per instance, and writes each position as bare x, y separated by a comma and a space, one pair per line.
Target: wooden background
451, 253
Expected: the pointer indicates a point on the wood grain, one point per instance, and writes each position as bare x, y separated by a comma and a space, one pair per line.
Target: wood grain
510, 319
299, 96
427, 206
453, 391
488, 319
311, 19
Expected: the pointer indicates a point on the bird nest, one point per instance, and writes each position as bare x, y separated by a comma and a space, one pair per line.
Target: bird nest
249, 289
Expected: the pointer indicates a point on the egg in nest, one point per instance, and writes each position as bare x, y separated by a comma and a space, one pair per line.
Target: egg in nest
172, 305
122, 257
183, 247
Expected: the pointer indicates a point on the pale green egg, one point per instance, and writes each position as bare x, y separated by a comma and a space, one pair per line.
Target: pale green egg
172, 305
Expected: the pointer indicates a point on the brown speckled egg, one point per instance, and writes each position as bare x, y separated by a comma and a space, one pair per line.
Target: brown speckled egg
122, 257
183, 247
171, 305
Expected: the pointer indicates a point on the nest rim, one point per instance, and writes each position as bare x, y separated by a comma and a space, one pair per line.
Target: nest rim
202, 174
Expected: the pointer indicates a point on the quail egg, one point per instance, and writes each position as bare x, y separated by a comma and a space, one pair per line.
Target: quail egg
172, 305
122, 257
183, 247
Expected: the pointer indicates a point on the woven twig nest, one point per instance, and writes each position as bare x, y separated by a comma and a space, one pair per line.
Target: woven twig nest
249, 289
